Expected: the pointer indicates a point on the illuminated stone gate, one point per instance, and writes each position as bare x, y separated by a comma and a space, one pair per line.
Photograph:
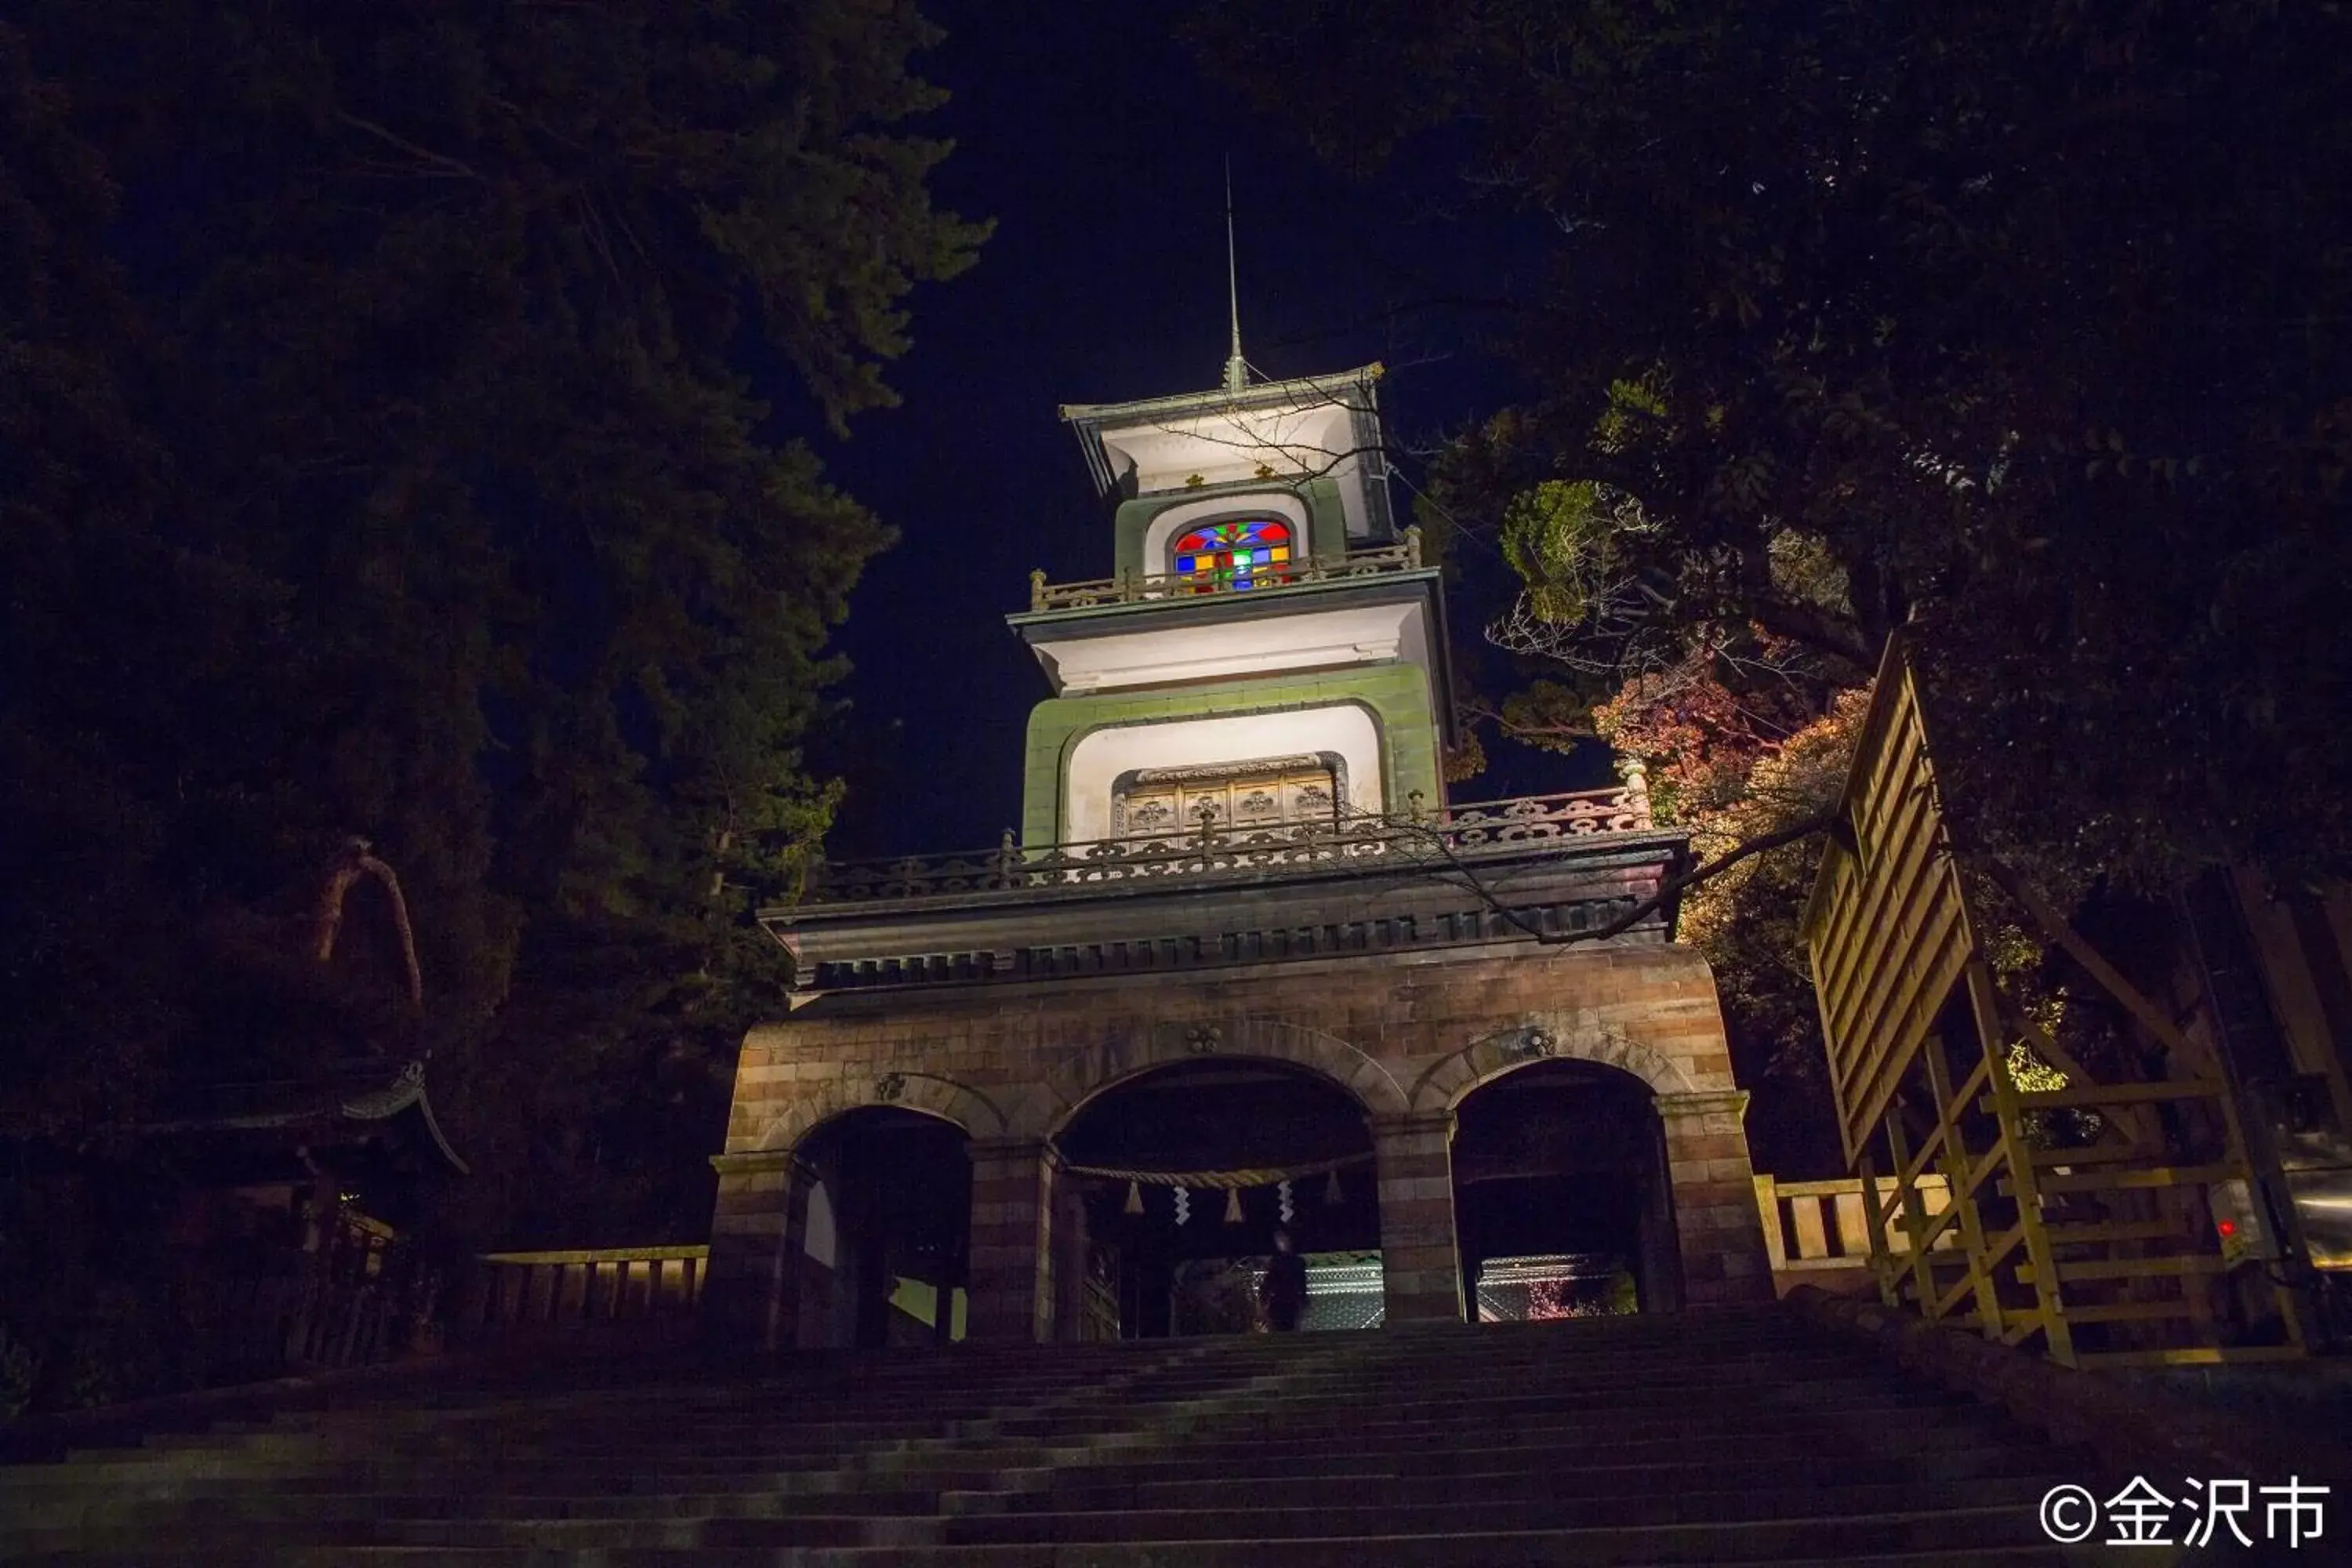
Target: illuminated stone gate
1237, 856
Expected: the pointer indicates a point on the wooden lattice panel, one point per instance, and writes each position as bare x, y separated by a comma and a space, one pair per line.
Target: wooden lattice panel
1886, 928
2092, 1234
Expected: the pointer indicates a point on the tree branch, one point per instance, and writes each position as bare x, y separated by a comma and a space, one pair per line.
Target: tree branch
1814, 628
438, 159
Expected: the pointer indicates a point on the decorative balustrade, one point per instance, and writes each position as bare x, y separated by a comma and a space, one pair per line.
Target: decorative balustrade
1464, 832
1135, 587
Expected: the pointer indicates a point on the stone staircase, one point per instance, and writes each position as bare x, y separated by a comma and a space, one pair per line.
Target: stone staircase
1742, 1436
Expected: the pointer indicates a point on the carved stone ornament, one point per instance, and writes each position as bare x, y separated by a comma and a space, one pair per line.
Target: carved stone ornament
1203, 1039
1533, 1044
889, 1086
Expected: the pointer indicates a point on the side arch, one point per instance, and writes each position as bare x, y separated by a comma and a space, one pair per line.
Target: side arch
1096, 1067
1546, 1037
942, 1097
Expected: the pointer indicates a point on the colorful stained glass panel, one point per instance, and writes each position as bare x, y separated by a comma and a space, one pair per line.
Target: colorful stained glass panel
1237, 555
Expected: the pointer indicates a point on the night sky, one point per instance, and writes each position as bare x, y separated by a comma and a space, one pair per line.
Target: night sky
1094, 140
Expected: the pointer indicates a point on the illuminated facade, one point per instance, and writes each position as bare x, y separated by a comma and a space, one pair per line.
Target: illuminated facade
1243, 965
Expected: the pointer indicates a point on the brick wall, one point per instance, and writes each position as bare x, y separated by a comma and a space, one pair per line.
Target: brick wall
1409, 1035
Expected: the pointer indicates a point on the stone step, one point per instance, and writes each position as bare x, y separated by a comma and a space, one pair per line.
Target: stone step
1676, 1370
1199, 1462
940, 1376
258, 1510
1682, 1373
1358, 1491
1354, 1411
1352, 1483
1263, 1415
1956, 1538
1720, 1439
1272, 1421
1712, 1506
1239, 1441
1566, 1433
1718, 1510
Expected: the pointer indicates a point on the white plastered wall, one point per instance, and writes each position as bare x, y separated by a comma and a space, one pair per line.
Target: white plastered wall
1100, 756
1301, 639
822, 1241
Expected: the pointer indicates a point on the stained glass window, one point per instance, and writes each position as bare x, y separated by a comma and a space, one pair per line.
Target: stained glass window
1239, 554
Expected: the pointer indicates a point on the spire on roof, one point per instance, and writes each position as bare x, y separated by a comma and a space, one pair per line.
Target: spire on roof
1236, 368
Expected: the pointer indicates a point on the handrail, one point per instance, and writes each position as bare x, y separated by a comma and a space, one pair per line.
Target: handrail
1472, 830
614, 1255
1130, 588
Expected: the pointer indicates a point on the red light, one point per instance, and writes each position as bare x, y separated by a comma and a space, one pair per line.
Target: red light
2229, 1228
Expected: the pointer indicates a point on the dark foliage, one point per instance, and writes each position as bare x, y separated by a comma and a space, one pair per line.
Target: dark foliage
377, 458
2033, 322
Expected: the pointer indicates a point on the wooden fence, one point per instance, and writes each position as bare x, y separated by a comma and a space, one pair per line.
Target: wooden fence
636, 1295
1818, 1233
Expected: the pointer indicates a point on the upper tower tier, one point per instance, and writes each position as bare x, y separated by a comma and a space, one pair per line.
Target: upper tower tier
1267, 655
1321, 426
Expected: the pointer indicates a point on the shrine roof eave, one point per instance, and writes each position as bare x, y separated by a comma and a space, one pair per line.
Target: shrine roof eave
1091, 419
1669, 846
1512, 870
991, 928
343, 1110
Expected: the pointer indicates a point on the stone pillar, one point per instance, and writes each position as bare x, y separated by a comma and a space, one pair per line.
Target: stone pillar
1069, 1251
1716, 1222
1420, 1255
751, 1297
1011, 1271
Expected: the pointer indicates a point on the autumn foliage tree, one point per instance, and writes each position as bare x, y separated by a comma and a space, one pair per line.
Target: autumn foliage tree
2030, 323
2023, 328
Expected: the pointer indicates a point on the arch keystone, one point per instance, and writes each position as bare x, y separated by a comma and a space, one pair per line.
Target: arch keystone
1575, 1035
1116, 1057
891, 1088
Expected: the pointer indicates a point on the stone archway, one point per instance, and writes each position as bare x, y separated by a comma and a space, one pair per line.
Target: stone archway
896, 1179
1182, 1175
1562, 1195
1095, 1068
1719, 1237
751, 1295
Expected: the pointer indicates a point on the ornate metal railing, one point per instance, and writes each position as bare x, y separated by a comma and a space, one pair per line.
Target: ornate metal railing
1464, 832
1134, 587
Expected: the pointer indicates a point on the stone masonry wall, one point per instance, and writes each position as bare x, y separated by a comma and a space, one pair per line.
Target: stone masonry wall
1409, 1035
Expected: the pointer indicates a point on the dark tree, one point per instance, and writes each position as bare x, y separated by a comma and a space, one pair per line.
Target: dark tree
378, 456
2025, 327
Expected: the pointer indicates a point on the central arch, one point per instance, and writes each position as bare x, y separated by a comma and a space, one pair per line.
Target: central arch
1180, 1175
